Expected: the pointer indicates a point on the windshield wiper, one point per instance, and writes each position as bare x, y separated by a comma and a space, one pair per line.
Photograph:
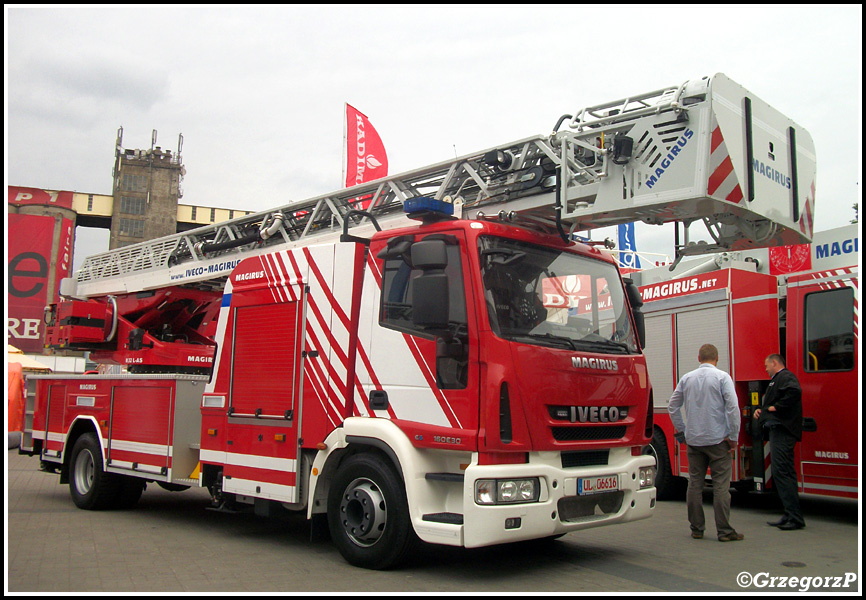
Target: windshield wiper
609, 344
547, 337
570, 343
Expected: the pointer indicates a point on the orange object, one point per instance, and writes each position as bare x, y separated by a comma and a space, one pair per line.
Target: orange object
15, 396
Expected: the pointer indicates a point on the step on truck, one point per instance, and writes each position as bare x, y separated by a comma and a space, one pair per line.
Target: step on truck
448, 364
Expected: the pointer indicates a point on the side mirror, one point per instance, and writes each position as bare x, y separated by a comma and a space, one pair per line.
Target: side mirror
429, 255
636, 302
430, 295
641, 327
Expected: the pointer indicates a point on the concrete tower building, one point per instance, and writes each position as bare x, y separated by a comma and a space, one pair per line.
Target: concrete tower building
147, 186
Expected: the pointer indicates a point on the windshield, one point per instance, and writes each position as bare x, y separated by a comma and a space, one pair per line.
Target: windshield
548, 297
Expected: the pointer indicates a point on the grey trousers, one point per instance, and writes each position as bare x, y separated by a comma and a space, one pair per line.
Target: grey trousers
721, 466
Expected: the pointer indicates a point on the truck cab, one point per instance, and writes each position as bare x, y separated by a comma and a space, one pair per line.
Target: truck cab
521, 361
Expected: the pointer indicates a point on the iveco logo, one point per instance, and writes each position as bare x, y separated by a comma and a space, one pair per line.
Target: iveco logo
603, 364
590, 414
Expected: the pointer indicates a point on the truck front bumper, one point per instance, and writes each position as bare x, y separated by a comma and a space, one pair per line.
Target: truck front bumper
564, 504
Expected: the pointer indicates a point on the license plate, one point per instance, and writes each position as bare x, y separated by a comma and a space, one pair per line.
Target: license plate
597, 485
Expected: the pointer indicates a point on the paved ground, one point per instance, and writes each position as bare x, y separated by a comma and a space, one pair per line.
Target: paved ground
170, 543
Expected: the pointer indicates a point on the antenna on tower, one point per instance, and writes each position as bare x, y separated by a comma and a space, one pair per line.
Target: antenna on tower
182, 171
118, 148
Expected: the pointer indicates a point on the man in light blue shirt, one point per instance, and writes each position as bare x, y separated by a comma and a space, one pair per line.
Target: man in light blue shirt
707, 399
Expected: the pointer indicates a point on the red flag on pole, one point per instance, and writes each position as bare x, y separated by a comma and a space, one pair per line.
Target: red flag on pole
365, 153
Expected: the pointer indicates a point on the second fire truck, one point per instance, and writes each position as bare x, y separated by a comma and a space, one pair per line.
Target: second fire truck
800, 301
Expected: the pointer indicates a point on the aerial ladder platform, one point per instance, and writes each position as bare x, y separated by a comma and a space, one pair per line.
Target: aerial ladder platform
705, 151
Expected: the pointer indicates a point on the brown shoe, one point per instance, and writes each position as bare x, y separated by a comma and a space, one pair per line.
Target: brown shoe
698, 535
731, 537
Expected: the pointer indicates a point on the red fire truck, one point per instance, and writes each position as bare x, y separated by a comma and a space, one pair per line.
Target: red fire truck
799, 301
419, 369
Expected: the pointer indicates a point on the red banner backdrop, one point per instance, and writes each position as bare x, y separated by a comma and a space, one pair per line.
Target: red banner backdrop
365, 153
29, 241
25, 195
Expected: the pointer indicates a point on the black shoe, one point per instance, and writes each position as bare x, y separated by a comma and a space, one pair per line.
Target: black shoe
781, 521
790, 526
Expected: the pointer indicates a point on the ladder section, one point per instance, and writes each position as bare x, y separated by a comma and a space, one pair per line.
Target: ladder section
203, 257
694, 152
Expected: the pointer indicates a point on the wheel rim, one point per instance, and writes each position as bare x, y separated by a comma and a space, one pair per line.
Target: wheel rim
83, 472
363, 512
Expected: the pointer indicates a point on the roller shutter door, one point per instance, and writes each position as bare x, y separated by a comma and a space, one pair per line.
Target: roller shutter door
698, 327
263, 361
659, 358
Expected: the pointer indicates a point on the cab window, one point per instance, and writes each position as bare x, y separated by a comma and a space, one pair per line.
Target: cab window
829, 331
396, 311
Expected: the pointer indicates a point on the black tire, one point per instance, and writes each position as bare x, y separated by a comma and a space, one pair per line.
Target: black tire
90, 486
130, 492
665, 480
172, 487
368, 515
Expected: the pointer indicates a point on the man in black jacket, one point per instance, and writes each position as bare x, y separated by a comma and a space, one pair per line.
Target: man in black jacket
781, 413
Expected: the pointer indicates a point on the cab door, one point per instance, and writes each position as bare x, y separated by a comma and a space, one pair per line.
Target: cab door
822, 352
430, 378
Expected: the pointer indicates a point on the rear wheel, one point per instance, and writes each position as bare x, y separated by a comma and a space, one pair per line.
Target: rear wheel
172, 487
130, 492
90, 486
368, 515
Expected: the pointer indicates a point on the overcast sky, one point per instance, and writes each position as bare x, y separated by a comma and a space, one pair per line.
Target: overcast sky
258, 92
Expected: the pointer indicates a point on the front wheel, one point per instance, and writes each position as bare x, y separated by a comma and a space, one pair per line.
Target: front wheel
666, 482
368, 515
90, 486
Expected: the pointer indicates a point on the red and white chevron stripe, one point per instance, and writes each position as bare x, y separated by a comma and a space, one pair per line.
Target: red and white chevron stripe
768, 465
723, 179
806, 218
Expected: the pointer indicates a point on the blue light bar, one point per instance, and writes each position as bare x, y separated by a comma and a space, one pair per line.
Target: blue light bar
427, 205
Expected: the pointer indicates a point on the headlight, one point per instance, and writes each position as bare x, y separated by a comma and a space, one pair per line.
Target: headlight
506, 491
485, 491
647, 477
